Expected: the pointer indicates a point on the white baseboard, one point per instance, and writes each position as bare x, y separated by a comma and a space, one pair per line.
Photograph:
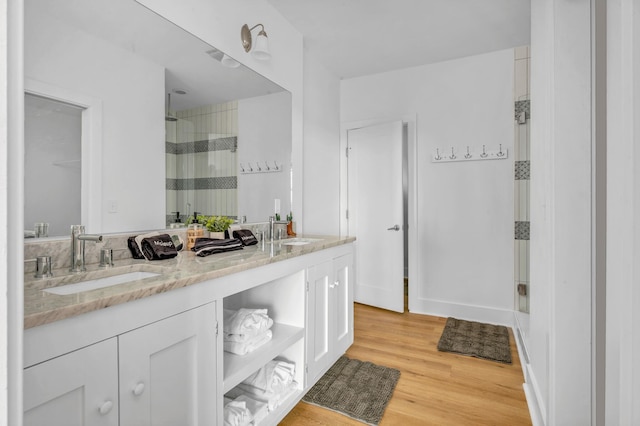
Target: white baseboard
531, 390
461, 311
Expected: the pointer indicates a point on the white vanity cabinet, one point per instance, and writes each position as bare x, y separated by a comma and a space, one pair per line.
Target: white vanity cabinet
160, 374
158, 359
167, 371
329, 313
79, 388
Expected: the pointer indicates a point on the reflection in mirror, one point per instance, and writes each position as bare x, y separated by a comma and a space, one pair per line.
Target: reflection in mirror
128, 59
52, 162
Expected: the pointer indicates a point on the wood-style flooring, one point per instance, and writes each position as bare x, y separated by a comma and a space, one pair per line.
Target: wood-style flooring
435, 388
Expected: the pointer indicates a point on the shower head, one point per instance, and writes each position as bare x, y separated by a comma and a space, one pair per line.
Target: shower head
169, 116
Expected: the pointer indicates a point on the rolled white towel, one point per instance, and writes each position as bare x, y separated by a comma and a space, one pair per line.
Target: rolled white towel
244, 324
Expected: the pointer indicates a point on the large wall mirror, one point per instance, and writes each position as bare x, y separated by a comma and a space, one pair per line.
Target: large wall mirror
165, 128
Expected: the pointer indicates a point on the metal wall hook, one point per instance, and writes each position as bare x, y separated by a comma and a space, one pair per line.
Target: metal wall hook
500, 153
266, 164
258, 166
468, 154
241, 167
276, 165
484, 152
453, 155
250, 167
438, 157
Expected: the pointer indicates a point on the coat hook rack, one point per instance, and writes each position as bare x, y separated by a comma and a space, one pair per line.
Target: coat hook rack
469, 155
262, 166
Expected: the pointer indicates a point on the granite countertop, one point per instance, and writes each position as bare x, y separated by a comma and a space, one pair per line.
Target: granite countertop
41, 307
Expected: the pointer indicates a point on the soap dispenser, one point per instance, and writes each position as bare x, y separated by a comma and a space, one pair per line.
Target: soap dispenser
176, 223
195, 230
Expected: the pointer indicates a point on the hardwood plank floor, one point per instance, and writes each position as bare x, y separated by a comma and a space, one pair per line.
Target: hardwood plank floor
435, 388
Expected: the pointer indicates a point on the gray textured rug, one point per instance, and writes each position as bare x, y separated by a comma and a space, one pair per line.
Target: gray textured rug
358, 389
476, 339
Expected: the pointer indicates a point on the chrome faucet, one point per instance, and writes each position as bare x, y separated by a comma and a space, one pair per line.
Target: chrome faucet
78, 238
272, 224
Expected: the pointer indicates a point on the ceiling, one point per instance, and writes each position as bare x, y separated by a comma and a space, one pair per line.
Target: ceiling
191, 65
360, 37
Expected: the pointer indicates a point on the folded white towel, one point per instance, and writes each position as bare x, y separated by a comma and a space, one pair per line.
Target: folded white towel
243, 348
272, 399
273, 376
245, 324
236, 413
259, 409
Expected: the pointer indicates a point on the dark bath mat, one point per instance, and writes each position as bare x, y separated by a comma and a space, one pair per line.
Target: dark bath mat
358, 389
476, 339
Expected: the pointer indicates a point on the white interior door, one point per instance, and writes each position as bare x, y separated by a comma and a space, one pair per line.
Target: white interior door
376, 213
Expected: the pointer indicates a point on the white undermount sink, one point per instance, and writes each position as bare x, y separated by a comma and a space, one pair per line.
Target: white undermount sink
100, 283
298, 241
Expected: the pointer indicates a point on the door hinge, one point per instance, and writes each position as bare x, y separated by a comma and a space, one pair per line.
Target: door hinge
347, 213
346, 151
307, 286
306, 368
216, 328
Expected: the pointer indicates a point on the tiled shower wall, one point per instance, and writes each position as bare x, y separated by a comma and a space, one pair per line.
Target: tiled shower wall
522, 176
201, 161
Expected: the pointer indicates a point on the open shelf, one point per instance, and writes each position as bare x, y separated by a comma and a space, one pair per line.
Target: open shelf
239, 367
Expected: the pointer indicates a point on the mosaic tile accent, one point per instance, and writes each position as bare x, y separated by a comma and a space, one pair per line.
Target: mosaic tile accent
224, 182
220, 144
522, 106
523, 170
522, 230
170, 148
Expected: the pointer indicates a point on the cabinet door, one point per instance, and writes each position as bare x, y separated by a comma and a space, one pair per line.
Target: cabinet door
168, 371
344, 281
319, 320
79, 388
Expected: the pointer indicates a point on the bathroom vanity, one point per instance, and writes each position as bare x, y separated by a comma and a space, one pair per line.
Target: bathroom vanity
150, 351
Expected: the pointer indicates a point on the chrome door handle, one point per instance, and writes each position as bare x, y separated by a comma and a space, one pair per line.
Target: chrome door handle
394, 228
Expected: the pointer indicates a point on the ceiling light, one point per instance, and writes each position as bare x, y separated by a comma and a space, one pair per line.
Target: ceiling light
229, 62
261, 48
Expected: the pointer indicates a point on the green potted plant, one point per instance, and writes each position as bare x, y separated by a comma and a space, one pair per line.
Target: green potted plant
218, 226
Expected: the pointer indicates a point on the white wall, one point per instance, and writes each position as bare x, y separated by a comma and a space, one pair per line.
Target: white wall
465, 209
560, 316
623, 221
321, 148
259, 140
131, 90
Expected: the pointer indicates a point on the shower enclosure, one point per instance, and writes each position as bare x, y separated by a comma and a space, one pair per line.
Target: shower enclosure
201, 161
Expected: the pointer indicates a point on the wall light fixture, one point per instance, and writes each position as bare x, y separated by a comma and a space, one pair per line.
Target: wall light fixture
261, 48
